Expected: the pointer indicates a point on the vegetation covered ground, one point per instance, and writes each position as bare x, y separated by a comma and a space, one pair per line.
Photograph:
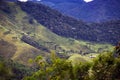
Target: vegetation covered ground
25, 38
24, 43
103, 67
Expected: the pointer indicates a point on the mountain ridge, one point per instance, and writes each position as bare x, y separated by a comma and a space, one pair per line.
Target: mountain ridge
69, 27
95, 11
15, 23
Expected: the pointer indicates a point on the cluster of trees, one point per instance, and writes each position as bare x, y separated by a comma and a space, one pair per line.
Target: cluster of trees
58, 69
70, 27
10, 70
104, 67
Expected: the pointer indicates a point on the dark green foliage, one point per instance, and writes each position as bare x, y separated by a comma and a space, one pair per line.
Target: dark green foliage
106, 67
5, 72
117, 50
10, 70
81, 71
116, 72
20, 71
70, 27
103, 67
59, 69
5, 8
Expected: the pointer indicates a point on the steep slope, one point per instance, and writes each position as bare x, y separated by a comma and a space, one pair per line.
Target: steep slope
15, 24
70, 27
11, 45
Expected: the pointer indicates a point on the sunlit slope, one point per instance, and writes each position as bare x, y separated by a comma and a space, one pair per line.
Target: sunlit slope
12, 47
14, 23
77, 58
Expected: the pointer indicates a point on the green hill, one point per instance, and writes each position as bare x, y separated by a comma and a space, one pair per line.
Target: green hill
72, 28
15, 24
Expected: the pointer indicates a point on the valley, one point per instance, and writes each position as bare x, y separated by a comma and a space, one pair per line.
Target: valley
40, 43
21, 30
69, 27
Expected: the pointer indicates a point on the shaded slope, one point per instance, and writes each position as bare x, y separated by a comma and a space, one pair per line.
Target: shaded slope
70, 27
95, 11
15, 23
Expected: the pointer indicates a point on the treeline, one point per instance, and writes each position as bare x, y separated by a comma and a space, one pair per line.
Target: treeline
104, 67
70, 27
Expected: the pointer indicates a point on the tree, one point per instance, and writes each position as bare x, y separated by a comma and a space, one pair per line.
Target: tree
103, 67
59, 69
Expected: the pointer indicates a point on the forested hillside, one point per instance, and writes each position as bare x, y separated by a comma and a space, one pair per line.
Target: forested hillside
39, 43
70, 27
104, 67
94, 11
23, 38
